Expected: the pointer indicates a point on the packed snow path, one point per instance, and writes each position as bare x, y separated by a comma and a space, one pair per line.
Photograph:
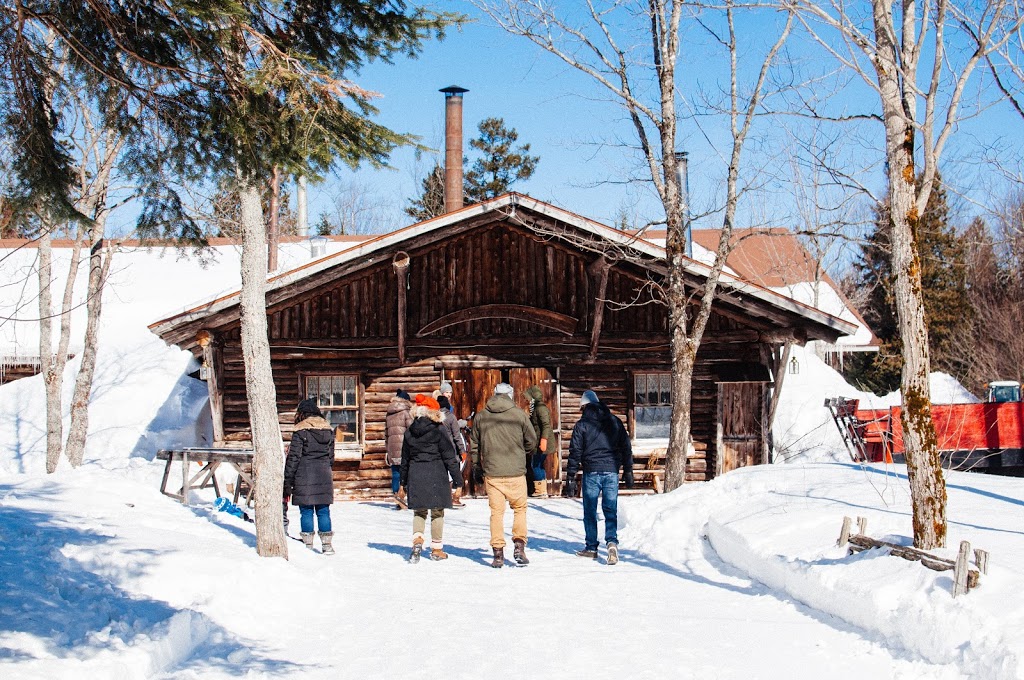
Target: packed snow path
130, 584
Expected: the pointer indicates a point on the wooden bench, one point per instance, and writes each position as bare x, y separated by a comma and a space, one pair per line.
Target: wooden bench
211, 459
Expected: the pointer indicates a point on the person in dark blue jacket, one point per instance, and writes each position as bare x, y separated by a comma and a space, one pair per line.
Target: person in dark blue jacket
600, 445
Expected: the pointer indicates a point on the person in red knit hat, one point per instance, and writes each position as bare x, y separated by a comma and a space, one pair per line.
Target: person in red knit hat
430, 469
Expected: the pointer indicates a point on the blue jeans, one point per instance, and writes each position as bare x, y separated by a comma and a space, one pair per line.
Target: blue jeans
396, 478
323, 517
605, 484
538, 466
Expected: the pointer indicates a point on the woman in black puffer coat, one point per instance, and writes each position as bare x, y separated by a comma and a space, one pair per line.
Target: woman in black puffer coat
430, 470
307, 473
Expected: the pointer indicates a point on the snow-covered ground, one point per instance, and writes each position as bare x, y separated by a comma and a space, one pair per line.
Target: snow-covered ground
101, 576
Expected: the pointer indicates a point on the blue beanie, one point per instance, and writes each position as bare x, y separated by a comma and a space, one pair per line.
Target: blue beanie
589, 397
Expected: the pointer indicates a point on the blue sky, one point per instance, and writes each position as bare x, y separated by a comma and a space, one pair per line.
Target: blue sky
582, 136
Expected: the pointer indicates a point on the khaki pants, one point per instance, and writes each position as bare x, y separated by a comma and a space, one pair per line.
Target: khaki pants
419, 524
513, 490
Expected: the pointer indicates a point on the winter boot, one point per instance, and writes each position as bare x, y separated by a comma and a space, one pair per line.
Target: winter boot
499, 558
519, 553
417, 548
307, 538
613, 553
437, 554
542, 488
588, 553
457, 499
325, 542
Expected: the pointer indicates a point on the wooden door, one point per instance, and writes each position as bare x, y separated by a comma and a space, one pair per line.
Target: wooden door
471, 388
521, 380
741, 440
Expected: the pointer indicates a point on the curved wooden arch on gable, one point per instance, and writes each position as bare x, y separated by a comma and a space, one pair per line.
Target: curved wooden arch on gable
563, 323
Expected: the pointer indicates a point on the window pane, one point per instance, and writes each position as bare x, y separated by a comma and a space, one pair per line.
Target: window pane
325, 392
652, 422
338, 392
350, 390
344, 423
311, 388
640, 388
666, 389
653, 389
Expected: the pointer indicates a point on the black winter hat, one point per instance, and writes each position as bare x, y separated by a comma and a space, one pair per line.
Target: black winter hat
443, 402
309, 407
403, 394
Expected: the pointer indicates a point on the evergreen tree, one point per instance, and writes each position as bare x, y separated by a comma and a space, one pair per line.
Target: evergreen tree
944, 282
431, 201
501, 163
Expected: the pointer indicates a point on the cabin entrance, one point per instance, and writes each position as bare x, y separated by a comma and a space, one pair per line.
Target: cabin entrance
741, 412
472, 387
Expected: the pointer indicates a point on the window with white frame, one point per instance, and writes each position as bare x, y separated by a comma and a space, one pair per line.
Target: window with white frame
652, 405
338, 397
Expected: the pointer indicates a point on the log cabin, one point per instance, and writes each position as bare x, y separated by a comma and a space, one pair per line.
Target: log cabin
510, 290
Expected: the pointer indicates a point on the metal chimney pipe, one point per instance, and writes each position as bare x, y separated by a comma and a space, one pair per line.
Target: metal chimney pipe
302, 226
453, 147
683, 177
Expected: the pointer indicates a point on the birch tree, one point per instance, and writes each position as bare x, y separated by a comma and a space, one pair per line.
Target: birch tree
919, 59
599, 40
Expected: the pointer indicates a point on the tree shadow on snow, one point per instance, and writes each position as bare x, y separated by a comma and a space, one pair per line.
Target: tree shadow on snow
74, 612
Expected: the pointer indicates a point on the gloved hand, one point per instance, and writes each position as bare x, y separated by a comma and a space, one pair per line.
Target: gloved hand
543, 445
457, 483
627, 477
572, 487
287, 492
478, 474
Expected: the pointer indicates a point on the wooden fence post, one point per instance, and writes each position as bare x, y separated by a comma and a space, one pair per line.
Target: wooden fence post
862, 526
960, 570
981, 559
844, 535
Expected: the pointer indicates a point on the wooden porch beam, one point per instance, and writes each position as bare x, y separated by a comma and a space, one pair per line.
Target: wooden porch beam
211, 361
599, 269
779, 368
400, 262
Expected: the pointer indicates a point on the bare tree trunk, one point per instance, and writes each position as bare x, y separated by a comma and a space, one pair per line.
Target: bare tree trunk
51, 378
273, 224
927, 485
99, 268
268, 463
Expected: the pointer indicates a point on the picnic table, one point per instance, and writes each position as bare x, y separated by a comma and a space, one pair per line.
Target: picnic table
240, 459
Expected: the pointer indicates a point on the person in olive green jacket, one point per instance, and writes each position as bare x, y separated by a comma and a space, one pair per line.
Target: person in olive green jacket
540, 418
503, 444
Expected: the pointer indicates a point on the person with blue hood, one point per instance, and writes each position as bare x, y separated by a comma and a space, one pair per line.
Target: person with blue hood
600, 445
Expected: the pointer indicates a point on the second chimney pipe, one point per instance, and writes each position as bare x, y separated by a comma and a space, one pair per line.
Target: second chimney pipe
453, 147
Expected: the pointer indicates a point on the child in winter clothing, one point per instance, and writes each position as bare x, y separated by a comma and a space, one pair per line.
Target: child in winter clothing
307, 473
428, 461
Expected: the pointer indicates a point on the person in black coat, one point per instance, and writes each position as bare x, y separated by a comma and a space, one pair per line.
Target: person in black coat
307, 473
599, 444
430, 470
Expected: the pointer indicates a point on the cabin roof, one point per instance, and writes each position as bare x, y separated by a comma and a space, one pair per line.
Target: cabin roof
519, 208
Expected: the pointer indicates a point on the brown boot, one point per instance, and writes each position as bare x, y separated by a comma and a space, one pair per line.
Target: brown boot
519, 553
499, 558
417, 548
542, 488
437, 554
457, 499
